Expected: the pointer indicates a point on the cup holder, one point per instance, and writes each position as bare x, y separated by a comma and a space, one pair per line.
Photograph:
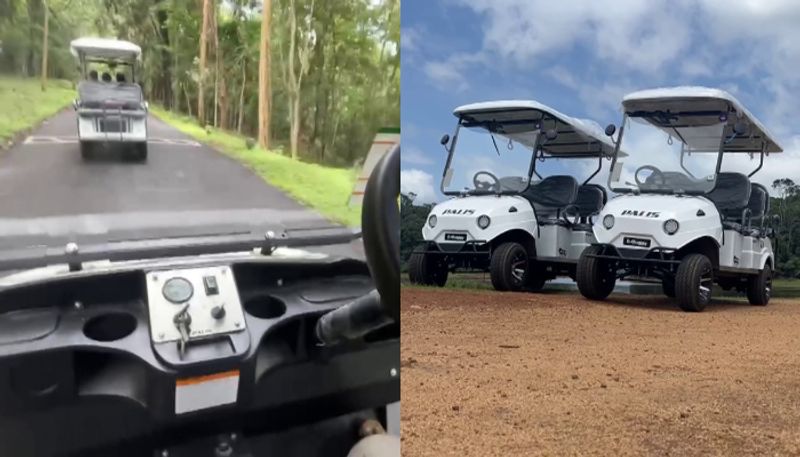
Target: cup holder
265, 307
109, 327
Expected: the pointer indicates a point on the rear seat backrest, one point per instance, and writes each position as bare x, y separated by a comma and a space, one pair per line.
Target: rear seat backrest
731, 194
551, 194
759, 201
590, 201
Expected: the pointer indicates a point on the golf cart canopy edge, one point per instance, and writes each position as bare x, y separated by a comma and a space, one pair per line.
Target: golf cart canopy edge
691, 100
105, 48
517, 120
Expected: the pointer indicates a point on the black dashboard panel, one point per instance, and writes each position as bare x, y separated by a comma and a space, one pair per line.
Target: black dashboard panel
79, 371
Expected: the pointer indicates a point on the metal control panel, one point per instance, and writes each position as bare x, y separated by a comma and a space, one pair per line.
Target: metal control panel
190, 304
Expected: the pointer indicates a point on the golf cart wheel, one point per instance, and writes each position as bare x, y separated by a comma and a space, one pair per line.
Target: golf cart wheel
668, 286
694, 282
87, 150
140, 152
509, 267
426, 269
595, 277
759, 287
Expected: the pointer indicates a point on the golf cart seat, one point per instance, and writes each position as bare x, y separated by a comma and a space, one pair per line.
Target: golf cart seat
93, 94
551, 196
589, 202
731, 196
758, 207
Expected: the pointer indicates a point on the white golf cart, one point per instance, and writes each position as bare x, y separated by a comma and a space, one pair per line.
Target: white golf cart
523, 231
679, 218
111, 108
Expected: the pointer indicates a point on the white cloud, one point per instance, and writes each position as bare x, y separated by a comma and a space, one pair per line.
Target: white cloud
418, 182
409, 39
414, 155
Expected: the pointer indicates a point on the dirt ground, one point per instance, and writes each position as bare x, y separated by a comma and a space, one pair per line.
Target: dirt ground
501, 374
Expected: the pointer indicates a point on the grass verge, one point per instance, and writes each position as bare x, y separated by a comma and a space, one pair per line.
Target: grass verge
325, 189
24, 104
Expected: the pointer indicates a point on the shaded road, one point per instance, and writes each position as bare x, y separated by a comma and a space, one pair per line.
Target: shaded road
44, 176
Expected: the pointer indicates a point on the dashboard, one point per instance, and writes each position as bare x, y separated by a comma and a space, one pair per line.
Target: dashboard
128, 360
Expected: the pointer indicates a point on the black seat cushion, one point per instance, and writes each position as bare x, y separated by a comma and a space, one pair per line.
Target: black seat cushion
731, 195
551, 195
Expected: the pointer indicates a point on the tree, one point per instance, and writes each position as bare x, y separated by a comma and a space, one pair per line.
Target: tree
45, 30
201, 108
264, 75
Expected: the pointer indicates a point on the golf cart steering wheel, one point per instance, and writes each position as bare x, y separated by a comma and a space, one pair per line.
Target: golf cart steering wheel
481, 185
655, 172
380, 223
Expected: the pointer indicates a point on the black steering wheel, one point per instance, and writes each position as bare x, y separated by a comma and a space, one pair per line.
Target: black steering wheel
481, 185
380, 223
655, 172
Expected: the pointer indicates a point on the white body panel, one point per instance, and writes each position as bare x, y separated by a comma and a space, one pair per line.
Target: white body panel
460, 216
643, 216
650, 211
137, 128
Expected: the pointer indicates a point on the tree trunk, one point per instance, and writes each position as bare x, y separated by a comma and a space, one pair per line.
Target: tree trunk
201, 109
241, 97
264, 91
44, 45
295, 124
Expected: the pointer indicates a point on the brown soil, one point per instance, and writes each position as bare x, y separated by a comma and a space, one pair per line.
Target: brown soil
501, 374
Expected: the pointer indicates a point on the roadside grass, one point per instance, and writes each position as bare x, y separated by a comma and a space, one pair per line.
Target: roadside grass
325, 189
781, 288
23, 104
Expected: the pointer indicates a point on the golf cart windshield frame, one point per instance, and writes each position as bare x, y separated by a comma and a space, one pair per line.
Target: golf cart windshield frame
538, 154
729, 115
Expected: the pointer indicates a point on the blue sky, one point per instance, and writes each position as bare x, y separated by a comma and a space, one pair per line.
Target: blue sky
582, 56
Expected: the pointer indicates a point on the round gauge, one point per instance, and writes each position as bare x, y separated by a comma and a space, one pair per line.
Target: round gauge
178, 290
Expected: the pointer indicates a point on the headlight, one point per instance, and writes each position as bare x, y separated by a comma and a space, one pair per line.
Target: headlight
608, 221
671, 226
484, 221
432, 221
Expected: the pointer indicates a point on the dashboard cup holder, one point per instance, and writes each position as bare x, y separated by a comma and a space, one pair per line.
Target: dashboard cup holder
265, 307
109, 327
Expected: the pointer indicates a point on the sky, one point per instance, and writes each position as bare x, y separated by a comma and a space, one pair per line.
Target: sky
582, 56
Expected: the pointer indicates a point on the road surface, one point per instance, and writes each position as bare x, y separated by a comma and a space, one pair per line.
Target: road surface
44, 176
488, 373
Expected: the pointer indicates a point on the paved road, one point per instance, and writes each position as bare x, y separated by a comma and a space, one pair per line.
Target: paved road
44, 177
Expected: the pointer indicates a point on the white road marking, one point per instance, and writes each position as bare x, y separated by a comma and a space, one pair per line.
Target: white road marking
48, 139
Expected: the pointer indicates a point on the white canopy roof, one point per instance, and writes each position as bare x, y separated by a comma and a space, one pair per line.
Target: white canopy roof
518, 120
105, 48
696, 99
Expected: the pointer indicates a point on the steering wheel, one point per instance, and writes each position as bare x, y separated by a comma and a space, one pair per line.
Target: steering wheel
655, 172
481, 185
380, 223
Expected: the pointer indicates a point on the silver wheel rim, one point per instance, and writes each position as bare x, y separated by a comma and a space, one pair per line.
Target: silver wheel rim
519, 267
704, 289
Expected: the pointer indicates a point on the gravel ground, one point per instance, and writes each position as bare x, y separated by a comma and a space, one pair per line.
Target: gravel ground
487, 373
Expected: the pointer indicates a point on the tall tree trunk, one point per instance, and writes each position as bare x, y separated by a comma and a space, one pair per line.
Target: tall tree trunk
215, 40
44, 45
241, 97
264, 94
201, 109
295, 124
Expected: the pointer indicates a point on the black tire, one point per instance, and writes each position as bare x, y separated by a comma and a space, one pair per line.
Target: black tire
87, 150
759, 287
668, 286
426, 269
510, 267
694, 282
594, 276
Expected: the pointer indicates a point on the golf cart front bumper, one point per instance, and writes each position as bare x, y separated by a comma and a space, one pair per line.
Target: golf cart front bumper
653, 262
469, 255
105, 125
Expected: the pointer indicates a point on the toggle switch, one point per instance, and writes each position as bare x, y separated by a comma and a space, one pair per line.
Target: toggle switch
210, 284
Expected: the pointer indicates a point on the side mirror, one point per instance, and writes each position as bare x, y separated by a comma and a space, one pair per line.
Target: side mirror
551, 134
445, 139
611, 129
740, 127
